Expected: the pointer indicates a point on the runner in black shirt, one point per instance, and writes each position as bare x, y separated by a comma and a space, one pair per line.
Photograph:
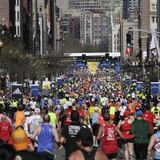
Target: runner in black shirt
69, 134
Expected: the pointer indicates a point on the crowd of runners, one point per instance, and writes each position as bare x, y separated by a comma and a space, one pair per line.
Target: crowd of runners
94, 117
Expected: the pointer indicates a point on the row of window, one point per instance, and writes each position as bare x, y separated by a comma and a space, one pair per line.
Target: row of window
154, 19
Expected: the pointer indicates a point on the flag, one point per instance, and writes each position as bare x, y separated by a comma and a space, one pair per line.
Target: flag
128, 51
153, 45
17, 91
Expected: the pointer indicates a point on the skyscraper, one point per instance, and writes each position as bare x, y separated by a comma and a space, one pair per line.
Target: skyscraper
4, 12
130, 9
85, 5
144, 22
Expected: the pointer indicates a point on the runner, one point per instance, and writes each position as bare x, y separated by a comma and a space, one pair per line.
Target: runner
154, 144
128, 138
109, 138
141, 131
86, 151
69, 134
46, 134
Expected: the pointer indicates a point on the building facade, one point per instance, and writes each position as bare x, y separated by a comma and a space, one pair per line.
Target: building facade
95, 30
144, 23
125, 27
5, 13
85, 5
74, 27
153, 14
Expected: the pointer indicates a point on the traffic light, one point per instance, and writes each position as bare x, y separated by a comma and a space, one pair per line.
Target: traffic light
106, 56
84, 59
129, 39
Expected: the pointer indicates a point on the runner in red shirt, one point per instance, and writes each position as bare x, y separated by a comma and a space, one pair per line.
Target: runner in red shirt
149, 117
68, 116
109, 138
5, 129
128, 138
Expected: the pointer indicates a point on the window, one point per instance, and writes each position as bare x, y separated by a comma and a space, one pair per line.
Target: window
154, 6
40, 9
153, 19
18, 2
18, 31
18, 16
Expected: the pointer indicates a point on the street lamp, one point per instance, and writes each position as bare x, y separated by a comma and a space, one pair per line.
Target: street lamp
1, 46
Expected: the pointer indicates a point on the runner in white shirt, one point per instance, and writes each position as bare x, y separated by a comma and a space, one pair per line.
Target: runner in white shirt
35, 121
33, 104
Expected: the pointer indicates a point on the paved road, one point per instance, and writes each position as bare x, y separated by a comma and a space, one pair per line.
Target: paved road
60, 154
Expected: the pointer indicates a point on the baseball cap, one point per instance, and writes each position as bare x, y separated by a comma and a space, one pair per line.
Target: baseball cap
139, 113
19, 139
37, 110
27, 113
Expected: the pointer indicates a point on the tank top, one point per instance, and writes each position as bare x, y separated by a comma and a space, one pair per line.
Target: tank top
126, 128
109, 140
45, 139
157, 146
89, 155
19, 120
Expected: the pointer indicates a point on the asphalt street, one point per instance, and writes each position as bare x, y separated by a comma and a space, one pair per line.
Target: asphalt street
60, 154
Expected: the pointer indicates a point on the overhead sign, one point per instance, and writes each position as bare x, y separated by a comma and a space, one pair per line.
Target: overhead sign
92, 67
80, 65
34, 90
46, 85
127, 81
117, 68
139, 86
104, 64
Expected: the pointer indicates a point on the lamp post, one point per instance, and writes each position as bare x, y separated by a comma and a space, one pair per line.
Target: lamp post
1, 46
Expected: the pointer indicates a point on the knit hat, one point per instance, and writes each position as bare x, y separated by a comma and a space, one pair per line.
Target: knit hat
19, 139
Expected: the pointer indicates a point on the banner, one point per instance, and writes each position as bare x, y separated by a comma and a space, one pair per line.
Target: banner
139, 86
59, 82
34, 90
155, 88
17, 91
127, 81
80, 65
46, 85
92, 66
117, 68
104, 64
